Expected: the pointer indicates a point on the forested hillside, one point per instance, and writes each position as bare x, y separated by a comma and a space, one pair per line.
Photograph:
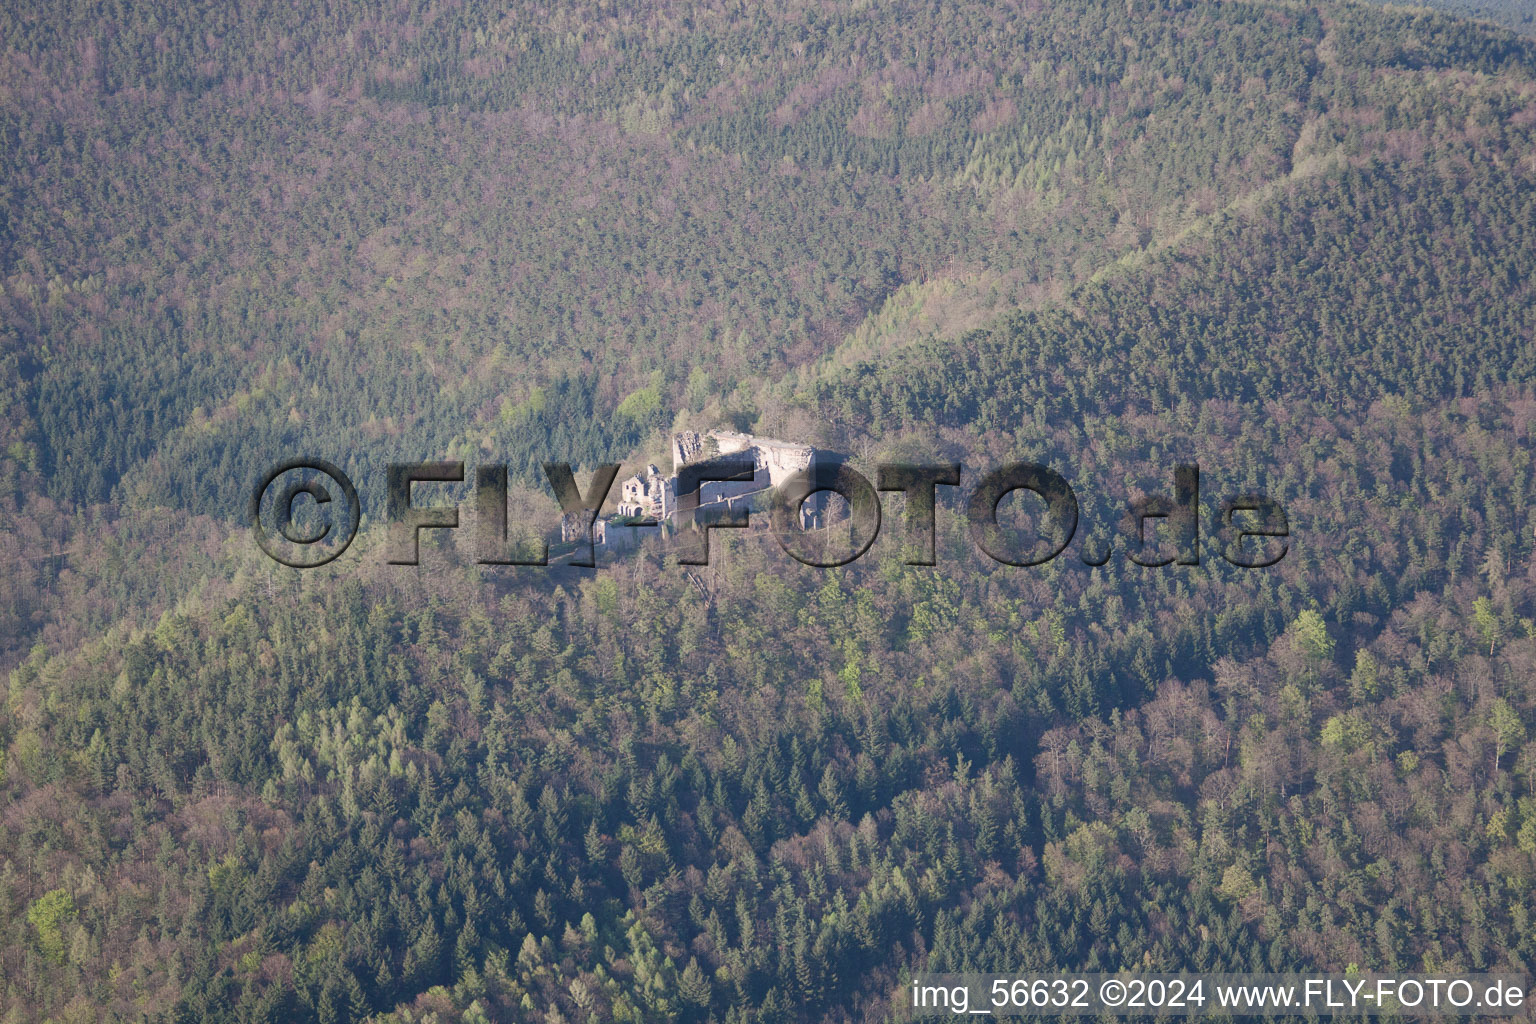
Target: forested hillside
1291, 243
1519, 15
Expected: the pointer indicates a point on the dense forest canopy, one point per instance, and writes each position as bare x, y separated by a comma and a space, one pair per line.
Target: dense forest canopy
1292, 243
1513, 14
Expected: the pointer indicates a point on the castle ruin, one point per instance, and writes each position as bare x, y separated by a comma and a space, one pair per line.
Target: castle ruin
650, 498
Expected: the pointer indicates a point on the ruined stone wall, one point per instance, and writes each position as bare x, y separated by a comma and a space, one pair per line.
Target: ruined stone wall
780, 459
